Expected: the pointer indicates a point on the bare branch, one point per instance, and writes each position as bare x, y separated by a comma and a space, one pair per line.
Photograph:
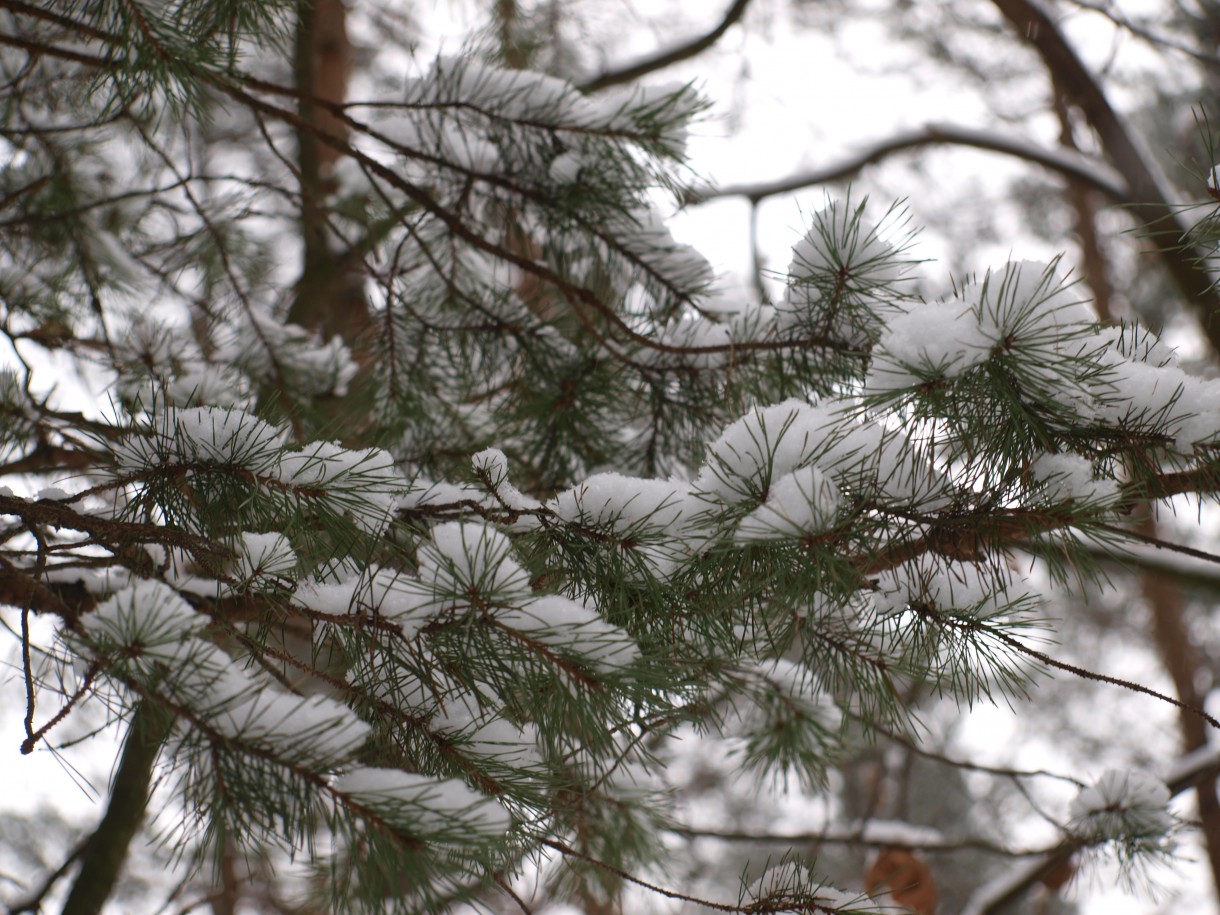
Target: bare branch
873, 834
667, 58
1156, 39
1066, 162
27, 745
110, 531
33, 902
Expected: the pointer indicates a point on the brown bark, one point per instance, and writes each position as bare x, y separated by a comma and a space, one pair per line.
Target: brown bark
329, 297
229, 892
331, 53
1085, 207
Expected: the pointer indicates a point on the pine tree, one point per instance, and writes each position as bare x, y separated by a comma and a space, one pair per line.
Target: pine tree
404, 567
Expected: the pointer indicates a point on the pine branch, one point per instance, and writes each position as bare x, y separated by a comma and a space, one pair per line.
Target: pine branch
1086, 674
26, 9
38, 48
488, 653
461, 229
116, 534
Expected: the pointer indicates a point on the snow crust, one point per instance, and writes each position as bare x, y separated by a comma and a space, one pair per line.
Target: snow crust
794, 881
423, 806
962, 587
495, 740
765, 444
799, 503
203, 434
567, 625
626, 503
313, 729
145, 613
364, 485
469, 558
265, 556
154, 633
492, 463
386, 592
1070, 477
771, 442
262, 346
1025, 312
842, 278
655, 519
160, 362
1143, 386
934, 340
1027, 317
537, 99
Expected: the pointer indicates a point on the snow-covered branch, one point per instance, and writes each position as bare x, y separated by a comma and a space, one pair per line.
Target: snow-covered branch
1065, 162
1009, 887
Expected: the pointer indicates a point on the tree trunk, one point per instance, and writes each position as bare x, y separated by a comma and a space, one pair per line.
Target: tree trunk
103, 855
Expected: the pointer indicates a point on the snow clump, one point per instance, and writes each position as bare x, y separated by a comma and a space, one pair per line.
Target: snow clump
1122, 805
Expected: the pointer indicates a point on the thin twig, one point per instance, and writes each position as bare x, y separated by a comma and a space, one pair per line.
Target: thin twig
33, 903
1086, 674
859, 838
28, 673
1146, 34
27, 746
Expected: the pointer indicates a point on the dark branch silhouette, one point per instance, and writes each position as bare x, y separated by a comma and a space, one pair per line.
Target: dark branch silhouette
669, 57
1065, 162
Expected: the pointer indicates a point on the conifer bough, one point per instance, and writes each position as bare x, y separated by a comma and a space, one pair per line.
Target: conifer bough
414, 606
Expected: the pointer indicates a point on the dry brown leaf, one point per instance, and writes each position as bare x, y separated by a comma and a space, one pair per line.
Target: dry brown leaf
905, 878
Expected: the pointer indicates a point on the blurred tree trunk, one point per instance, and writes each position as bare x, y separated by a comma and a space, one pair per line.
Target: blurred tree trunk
329, 297
105, 851
1170, 616
1158, 219
1184, 663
